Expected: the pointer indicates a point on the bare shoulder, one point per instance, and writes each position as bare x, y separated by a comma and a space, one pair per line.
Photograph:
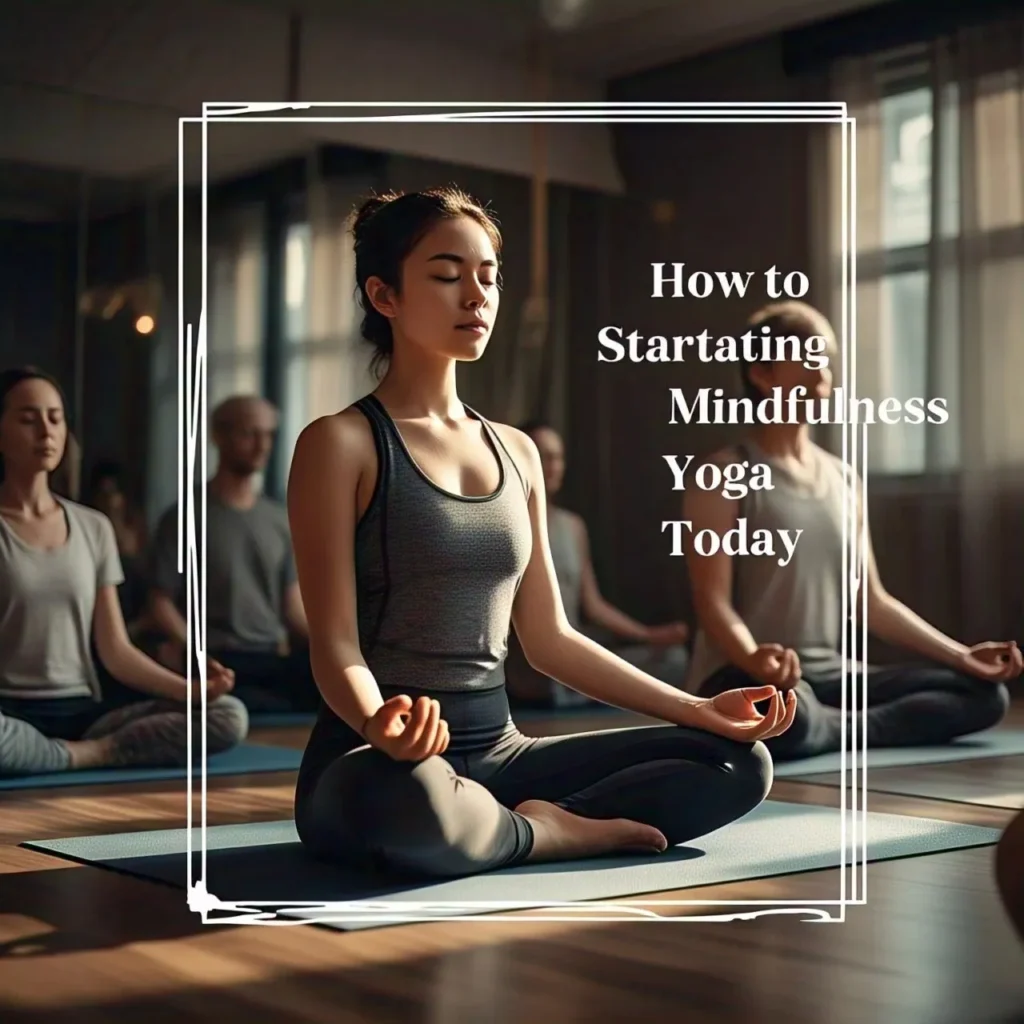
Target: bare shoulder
338, 449
344, 435
522, 451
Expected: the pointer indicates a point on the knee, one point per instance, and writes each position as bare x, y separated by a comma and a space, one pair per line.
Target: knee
412, 820
986, 703
732, 782
995, 700
227, 723
740, 774
378, 809
751, 768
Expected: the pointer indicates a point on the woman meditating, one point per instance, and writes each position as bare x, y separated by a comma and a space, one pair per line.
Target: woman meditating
420, 536
59, 573
761, 622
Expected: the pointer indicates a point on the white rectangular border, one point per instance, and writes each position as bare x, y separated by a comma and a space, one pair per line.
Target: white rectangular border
192, 420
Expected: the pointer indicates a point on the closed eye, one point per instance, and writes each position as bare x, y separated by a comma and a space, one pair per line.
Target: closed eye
453, 280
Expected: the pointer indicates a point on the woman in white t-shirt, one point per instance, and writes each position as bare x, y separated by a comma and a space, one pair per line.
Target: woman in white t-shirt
61, 706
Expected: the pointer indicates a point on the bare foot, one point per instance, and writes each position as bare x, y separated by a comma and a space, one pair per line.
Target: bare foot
90, 753
561, 835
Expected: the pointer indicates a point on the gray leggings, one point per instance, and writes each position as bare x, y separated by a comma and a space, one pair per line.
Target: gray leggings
146, 732
454, 814
908, 705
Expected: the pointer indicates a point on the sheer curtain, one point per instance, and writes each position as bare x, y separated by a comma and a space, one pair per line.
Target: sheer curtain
326, 364
234, 338
235, 329
940, 310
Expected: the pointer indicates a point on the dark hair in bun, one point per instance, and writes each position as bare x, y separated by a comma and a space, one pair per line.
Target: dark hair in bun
386, 229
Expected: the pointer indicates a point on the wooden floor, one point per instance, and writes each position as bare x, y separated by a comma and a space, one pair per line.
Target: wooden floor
79, 943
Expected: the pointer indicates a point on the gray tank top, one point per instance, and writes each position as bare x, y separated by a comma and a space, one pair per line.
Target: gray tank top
798, 605
437, 572
436, 577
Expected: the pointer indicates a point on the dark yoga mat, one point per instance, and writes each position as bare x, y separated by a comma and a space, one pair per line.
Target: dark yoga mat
249, 757
266, 863
993, 743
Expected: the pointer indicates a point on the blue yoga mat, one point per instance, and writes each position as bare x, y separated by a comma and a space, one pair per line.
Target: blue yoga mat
265, 862
249, 757
993, 743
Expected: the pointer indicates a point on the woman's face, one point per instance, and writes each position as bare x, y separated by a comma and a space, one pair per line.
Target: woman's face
33, 432
449, 292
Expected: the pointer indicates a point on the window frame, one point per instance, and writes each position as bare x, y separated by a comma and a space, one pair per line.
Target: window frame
901, 72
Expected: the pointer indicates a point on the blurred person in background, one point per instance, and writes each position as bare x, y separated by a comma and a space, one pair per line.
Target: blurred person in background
75, 692
255, 620
658, 650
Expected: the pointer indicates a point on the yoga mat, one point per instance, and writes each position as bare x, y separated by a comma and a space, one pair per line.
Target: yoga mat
265, 862
280, 719
249, 757
993, 743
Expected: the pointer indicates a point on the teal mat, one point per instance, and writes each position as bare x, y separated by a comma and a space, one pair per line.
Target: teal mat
993, 743
265, 862
249, 757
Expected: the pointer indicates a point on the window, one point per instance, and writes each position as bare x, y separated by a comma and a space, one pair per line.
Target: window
940, 246
235, 330
234, 341
919, 212
324, 364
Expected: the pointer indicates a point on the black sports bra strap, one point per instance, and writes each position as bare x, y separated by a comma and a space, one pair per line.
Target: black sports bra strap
382, 440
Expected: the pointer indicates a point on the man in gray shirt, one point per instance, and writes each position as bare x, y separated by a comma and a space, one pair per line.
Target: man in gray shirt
255, 620
766, 620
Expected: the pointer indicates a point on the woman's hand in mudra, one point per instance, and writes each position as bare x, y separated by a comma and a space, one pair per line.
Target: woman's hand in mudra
733, 715
219, 681
406, 731
997, 662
